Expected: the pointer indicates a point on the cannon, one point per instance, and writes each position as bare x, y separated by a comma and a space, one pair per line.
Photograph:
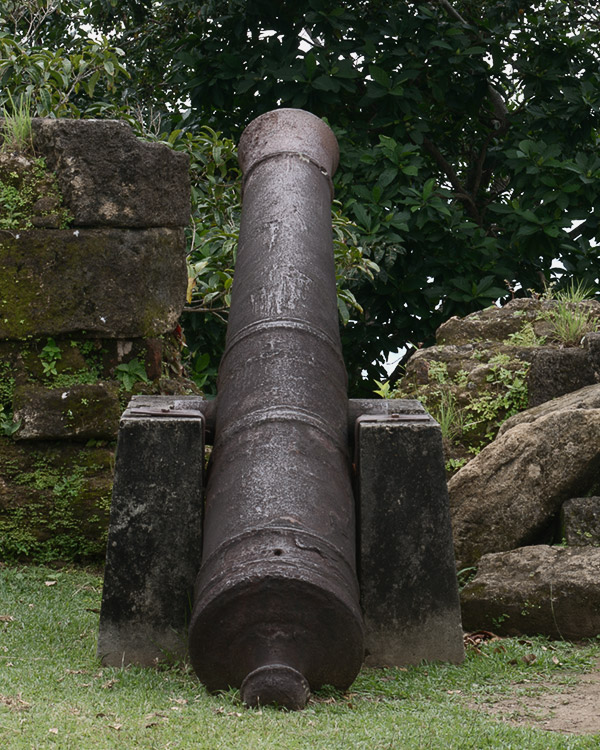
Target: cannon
276, 600
307, 493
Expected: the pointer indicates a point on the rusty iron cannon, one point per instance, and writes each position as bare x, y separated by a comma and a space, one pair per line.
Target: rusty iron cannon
277, 604
305, 488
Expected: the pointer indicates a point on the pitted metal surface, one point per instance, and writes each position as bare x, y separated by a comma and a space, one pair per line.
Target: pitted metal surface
276, 604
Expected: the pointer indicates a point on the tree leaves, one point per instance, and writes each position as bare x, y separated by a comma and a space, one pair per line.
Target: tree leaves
468, 132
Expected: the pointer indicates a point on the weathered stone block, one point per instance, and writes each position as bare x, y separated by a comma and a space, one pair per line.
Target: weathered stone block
108, 177
155, 535
79, 412
537, 590
580, 521
107, 282
407, 575
555, 372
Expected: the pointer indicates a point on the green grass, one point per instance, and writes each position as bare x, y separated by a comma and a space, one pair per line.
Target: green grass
570, 318
54, 694
16, 130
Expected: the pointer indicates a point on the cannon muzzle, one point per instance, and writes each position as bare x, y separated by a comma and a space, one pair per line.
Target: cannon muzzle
276, 609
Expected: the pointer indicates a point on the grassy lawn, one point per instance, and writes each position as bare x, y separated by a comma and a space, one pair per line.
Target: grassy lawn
54, 694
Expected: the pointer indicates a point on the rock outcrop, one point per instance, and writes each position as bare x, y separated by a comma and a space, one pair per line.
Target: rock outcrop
512, 492
527, 488
497, 362
551, 591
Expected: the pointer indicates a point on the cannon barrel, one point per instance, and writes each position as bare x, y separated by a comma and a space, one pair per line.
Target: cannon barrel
276, 606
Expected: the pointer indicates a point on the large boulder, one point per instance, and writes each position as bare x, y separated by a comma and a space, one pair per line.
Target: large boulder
544, 590
494, 323
584, 398
513, 490
520, 319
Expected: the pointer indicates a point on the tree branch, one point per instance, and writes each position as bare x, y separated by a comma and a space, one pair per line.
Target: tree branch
459, 189
214, 310
451, 11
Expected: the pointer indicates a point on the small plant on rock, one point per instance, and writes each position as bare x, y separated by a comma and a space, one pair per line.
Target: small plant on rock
29, 194
509, 396
130, 373
49, 356
571, 317
8, 426
526, 336
448, 415
383, 389
16, 130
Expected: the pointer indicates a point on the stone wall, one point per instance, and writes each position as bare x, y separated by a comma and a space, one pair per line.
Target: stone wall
92, 283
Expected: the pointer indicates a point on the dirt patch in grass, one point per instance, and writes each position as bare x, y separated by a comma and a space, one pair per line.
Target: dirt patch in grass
572, 709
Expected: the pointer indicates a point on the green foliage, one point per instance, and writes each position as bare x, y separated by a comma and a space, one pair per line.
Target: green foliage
468, 411
13, 206
8, 426
452, 465
48, 61
438, 372
49, 356
130, 373
507, 397
383, 389
526, 336
448, 415
468, 136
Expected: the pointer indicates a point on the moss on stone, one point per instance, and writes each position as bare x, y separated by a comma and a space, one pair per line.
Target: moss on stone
59, 282
470, 396
29, 195
55, 502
